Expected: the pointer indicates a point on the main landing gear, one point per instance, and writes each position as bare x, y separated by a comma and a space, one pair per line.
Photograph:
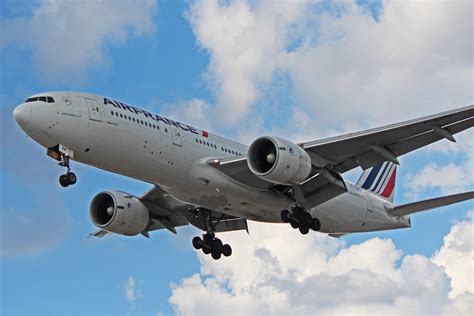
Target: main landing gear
69, 178
209, 243
299, 218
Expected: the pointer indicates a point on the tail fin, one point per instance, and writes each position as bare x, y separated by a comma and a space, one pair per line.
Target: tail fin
380, 179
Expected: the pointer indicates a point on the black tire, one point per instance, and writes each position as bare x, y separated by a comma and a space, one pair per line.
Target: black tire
206, 250
208, 239
217, 244
197, 242
226, 250
294, 224
71, 178
316, 225
285, 216
304, 229
63, 181
307, 219
216, 254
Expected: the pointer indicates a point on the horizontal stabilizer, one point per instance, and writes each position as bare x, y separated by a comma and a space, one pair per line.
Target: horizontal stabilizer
425, 205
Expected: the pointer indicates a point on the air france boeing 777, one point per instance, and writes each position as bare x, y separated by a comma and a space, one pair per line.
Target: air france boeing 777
217, 184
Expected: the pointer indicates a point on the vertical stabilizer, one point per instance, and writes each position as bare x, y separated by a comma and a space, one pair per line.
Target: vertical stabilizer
380, 179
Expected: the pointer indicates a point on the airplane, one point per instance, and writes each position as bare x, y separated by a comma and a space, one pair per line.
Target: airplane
217, 184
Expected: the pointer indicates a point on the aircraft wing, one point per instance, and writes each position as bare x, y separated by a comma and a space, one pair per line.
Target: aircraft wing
333, 156
366, 148
374, 146
166, 212
406, 209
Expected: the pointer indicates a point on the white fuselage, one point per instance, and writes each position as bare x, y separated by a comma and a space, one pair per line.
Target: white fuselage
126, 140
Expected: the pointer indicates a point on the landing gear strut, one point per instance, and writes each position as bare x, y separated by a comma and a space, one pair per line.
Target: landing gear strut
69, 178
209, 243
300, 219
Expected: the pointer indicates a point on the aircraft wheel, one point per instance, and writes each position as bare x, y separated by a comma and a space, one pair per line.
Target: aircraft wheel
226, 250
316, 225
197, 242
285, 216
304, 229
216, 254
294, 224
217, 244
71, 178
63, 181
206, 250
307, 219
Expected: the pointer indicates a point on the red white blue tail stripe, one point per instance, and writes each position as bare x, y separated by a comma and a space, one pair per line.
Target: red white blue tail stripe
380, 179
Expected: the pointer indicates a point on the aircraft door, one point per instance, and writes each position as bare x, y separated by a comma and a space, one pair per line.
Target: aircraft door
177, 137
94, 110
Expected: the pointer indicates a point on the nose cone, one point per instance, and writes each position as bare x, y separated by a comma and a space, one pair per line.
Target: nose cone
22, 114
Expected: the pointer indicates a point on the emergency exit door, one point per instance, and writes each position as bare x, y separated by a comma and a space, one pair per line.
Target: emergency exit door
94, 110
177, 137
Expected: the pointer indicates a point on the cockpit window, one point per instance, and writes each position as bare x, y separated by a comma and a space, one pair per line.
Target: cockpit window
41, 98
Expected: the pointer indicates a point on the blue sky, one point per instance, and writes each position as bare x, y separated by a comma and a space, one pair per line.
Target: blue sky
297, 70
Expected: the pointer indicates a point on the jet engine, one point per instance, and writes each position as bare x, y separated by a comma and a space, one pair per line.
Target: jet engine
279, 161
119, 212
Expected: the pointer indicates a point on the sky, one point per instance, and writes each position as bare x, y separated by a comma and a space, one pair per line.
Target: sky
241, 69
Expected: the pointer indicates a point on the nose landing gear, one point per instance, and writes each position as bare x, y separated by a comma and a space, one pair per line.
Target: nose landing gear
69, 178
300, 219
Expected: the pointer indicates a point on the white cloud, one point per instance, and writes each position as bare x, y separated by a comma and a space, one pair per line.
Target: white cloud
457, 257
407, 63
131, 292
245, 42
450, 178
194, 111
277, 271
69, 37
347, 71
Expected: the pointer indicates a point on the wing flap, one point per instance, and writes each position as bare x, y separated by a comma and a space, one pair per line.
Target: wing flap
425, 205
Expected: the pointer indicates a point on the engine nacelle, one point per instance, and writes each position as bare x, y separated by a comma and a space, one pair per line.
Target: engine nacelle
119, 212
279, 161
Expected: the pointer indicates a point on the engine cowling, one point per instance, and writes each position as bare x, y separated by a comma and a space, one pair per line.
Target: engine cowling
119, 212
279, 161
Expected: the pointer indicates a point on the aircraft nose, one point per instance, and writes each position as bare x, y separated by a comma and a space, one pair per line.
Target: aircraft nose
22, 114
